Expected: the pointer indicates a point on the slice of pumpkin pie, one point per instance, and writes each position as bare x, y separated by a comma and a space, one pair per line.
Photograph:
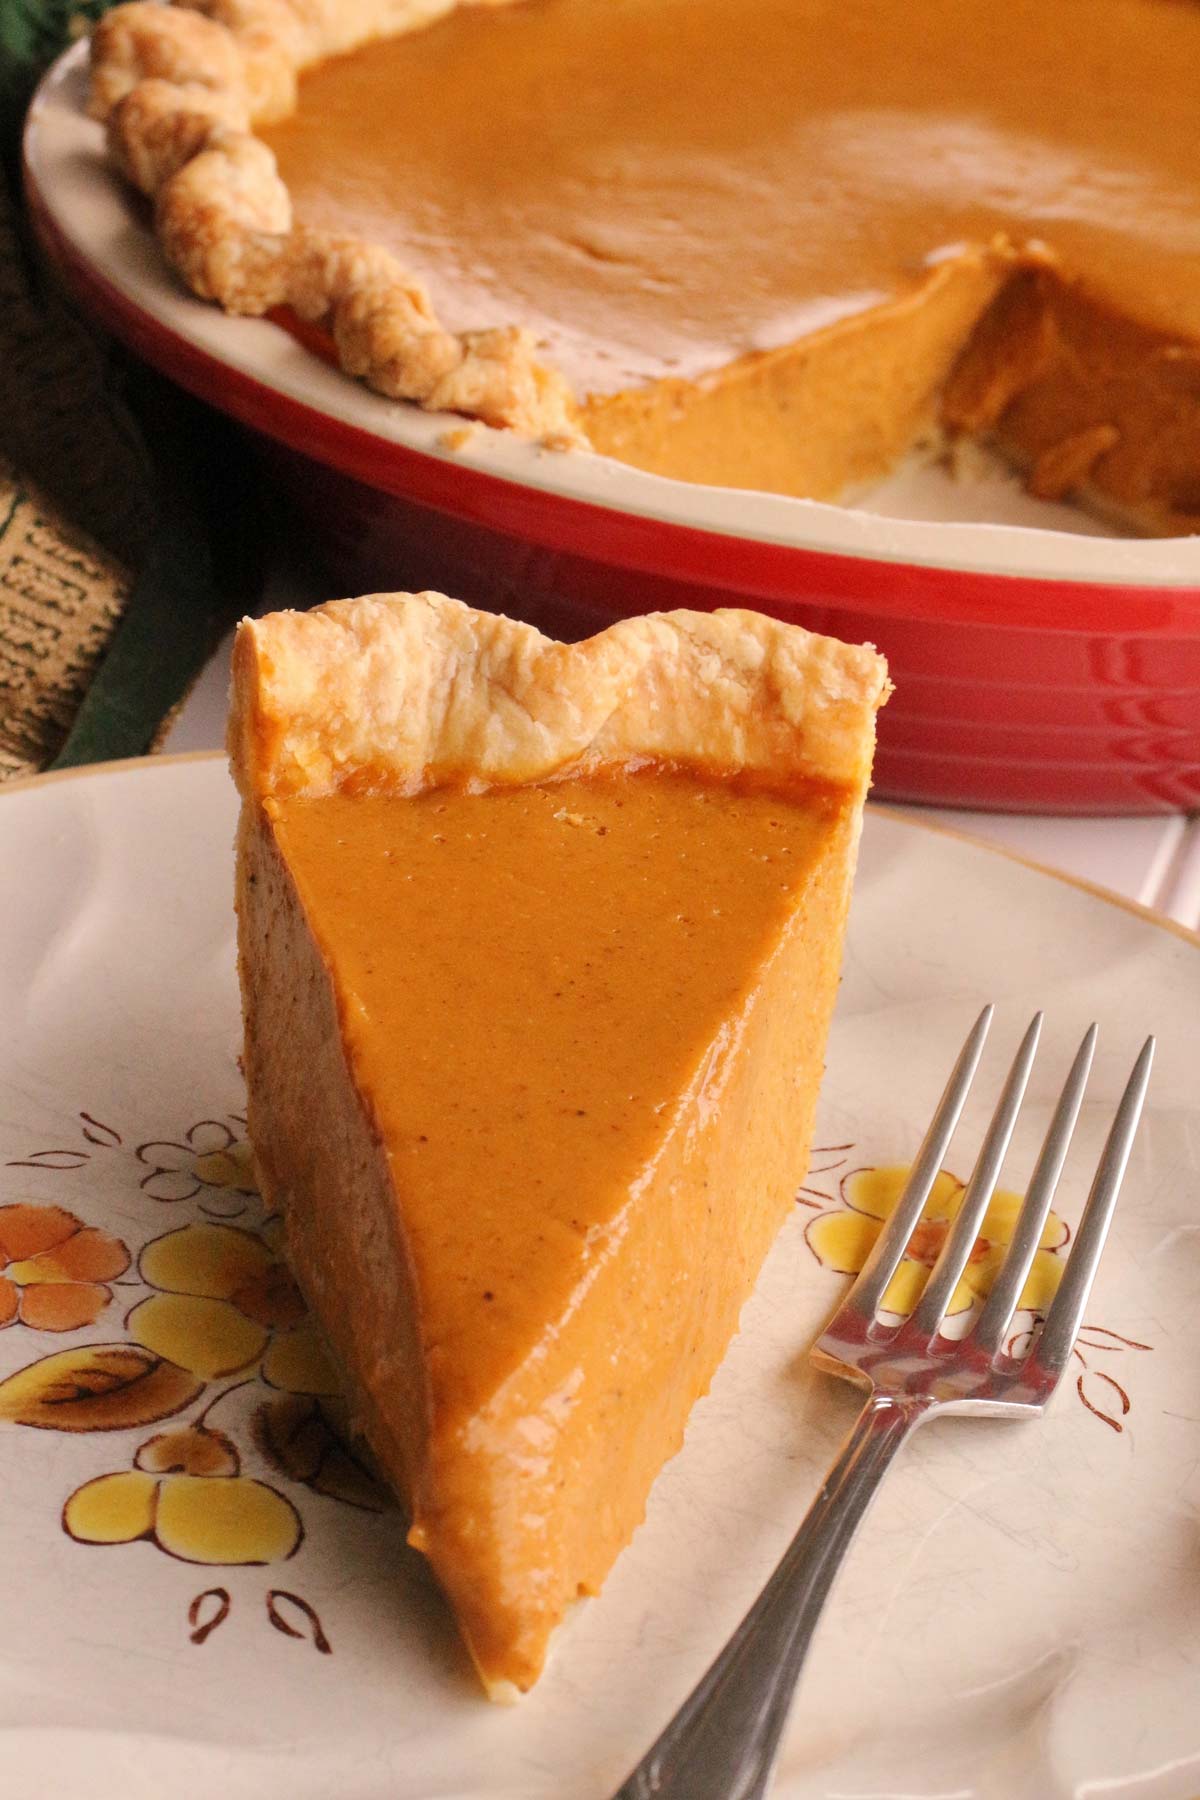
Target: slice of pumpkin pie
538, 949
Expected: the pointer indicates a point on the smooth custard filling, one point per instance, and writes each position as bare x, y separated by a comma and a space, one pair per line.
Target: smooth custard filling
528, 980
659, 187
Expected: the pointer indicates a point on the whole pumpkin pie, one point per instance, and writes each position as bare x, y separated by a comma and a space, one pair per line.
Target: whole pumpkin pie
763, 243
538, 947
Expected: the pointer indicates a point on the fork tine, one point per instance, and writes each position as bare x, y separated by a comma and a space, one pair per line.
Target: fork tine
960, 1240
1001, 1302
1065, 1316
889, 1246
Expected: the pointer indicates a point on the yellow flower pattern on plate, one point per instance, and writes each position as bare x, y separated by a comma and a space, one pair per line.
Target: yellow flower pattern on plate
187, 1495
219, 1322
842, 1238
225, 1305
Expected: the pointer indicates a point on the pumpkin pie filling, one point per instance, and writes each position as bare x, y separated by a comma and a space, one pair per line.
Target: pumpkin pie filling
628, 915
548, 1039
536, 1002
542, 1099
765, 243
757, 238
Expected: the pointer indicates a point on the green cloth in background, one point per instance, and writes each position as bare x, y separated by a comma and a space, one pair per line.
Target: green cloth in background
113, 470
32, 32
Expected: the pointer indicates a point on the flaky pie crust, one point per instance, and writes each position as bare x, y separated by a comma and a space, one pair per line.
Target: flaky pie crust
181, 88
402, 692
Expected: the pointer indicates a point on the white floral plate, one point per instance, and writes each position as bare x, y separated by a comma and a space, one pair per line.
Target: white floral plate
204, 1595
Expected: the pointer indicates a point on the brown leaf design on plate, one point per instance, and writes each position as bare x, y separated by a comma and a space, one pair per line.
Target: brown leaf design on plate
1098, 1403
189, 1450
1103, 1337
53, 1159
207, 1611
296, 1436
280, 1603
97, 1132
98, 1387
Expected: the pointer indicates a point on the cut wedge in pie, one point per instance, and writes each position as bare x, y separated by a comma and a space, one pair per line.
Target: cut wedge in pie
763, 243
538, 949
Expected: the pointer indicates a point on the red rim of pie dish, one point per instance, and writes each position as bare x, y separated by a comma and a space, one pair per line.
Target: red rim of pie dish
773, 573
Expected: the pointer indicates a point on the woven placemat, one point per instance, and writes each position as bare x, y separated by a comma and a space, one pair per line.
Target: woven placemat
61, 599
124, 548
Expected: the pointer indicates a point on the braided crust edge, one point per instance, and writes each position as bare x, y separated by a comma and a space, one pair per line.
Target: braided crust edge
181, 88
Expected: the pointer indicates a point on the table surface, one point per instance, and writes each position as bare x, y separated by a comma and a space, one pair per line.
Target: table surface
1154, 861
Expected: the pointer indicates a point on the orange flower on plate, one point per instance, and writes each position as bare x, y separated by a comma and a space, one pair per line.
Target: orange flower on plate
54, 1269
842, 1239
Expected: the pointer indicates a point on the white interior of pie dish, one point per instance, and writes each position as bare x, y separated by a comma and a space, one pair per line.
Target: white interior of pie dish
921, 515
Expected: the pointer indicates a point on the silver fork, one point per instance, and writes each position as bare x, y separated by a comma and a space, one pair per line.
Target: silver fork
722, 1743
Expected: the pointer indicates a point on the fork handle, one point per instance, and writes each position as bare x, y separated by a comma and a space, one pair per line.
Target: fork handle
722, 1743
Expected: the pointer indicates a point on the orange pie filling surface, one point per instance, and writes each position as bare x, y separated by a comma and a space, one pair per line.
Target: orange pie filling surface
774, 242
566, 1006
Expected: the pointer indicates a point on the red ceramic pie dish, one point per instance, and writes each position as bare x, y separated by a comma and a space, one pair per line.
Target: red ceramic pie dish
1034, 669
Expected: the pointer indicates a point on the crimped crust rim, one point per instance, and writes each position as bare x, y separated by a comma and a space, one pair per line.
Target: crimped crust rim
181, 87
402, 692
